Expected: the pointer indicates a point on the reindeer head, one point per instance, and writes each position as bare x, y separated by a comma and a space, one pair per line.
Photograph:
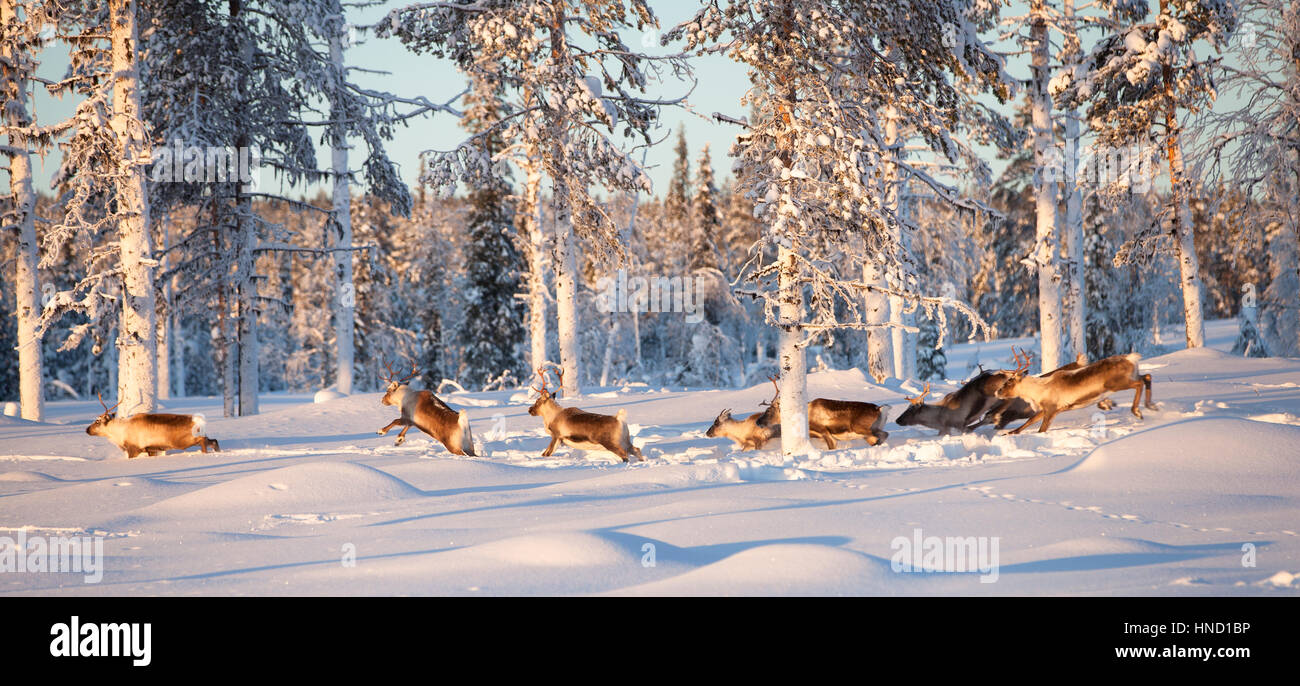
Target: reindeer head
96, 427
723, 417
914, 406
544, 396
1010, 388
394, 383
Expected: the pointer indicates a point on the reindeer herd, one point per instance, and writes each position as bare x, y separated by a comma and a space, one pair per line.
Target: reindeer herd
991, 397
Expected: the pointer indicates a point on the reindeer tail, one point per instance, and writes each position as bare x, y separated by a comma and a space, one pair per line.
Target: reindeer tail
466, 436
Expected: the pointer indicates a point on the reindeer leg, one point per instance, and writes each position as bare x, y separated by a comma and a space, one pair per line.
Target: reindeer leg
1137, 396
550, 449
1038, 415
1047, 420
830, 440
401, 436
1146, 381
384, 431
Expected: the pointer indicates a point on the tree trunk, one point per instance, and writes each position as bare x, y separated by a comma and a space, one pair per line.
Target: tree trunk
165, 323
566, 290
537, 258
1047, 246
137, 333
880, 356
1184, 237
902, 343
13, 87
1076, 302
794, 379
249, 346
1076, 305
345, 289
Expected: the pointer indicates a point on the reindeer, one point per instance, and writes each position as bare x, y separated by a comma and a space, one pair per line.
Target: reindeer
581, 429
847, 420
1068, 389
424, 410
842, 419
1005, 411
955, 412
754, 431
152, 433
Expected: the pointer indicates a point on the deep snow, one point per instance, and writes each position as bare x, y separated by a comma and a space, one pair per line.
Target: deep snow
1102, 504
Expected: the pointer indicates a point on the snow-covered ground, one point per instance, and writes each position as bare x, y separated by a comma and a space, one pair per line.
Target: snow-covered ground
306, 499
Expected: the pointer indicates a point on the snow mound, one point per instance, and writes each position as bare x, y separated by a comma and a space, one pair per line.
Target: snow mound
1218, 454
781, 569
559, 549
327, 395
311, 487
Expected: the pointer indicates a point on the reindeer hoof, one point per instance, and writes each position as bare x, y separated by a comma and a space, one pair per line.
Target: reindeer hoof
400, 441
380, 432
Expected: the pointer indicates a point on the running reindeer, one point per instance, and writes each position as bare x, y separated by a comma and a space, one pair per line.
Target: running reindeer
153, 433
423, 409
752, 432
844, 420
1069, 389
581, 429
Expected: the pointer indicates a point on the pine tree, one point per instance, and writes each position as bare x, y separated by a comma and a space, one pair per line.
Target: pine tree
705, 223
493, 320
931, 361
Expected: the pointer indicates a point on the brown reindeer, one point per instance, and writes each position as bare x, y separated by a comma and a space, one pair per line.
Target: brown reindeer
153, 433
752, 432
1008, 410
1069, 389
423, 409
846, 420
581, 429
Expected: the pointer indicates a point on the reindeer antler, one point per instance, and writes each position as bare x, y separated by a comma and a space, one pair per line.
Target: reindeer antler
1022, 364
776, 395
107, 409
392, 376
920, 398
541, 374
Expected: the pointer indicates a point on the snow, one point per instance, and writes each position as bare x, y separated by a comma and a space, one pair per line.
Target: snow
307, 499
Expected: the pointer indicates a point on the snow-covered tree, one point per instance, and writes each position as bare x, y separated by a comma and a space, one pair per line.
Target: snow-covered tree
1253, 146
1137, 85
574, 83
21, 24
705, 222
821, 72
493, 322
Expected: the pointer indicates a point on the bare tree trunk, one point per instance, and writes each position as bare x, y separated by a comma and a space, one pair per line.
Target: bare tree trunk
137, 333
165, 321
345, 289
566, 290
1076, 303
879, 343
13, 88
1047, 246
902, 344
1183, 234
249, 346
538, 250
794, 367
